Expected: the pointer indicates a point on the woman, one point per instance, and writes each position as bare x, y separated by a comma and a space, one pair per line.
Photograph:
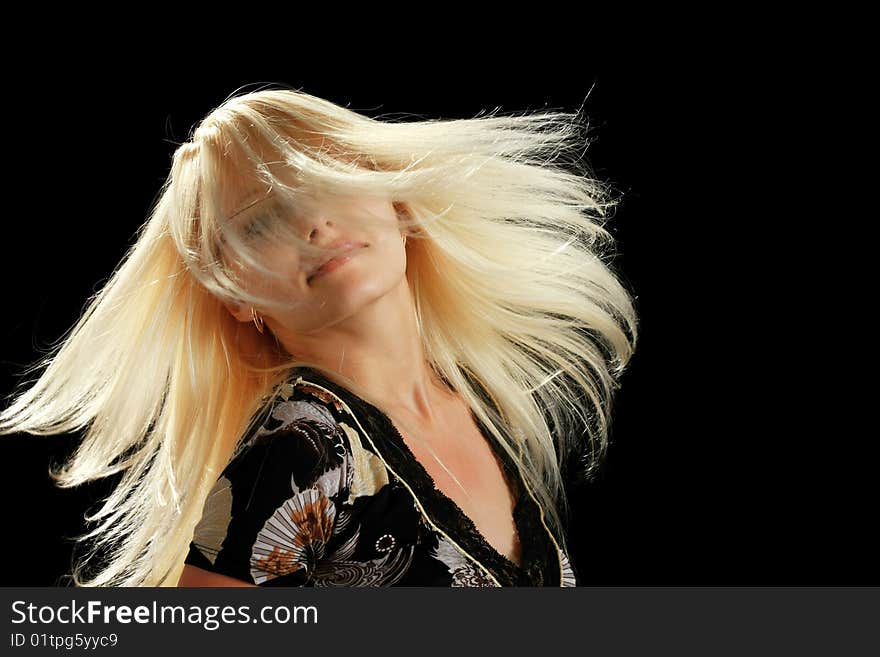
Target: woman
345, 352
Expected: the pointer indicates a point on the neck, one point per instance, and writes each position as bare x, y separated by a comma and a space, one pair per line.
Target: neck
380, 349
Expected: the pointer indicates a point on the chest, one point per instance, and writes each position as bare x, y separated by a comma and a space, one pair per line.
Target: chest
464, 467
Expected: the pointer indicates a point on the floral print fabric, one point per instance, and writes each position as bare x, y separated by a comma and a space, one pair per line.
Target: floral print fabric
324, 492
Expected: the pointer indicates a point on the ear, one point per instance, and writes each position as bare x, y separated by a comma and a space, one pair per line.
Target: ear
241, 312
403, 213
401, 209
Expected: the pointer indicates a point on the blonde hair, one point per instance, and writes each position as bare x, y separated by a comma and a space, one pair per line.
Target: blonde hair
508, 263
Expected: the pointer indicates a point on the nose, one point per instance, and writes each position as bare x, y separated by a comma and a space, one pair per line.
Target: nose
316, 229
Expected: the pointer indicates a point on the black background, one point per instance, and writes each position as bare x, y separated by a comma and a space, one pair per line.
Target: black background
730, 464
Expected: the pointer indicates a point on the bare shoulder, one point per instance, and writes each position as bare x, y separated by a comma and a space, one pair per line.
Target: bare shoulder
193, 576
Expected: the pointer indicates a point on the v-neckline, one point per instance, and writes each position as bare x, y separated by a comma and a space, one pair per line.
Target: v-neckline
463, 518
441, 500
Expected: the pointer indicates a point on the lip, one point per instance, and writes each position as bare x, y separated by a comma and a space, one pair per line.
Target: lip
347, 247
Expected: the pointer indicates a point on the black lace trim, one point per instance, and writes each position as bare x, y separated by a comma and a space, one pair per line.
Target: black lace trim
539, 558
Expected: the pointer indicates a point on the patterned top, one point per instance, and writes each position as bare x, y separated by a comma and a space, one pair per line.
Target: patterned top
325, 492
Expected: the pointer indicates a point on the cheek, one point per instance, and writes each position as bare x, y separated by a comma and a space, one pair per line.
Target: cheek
288, 275
382, 214
390, 264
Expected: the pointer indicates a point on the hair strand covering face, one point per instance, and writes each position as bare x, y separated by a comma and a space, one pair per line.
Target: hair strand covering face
507, 263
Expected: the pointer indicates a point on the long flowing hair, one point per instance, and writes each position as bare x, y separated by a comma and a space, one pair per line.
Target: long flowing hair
509, 267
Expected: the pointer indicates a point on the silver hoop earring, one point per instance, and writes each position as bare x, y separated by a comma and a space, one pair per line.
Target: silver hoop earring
258, 321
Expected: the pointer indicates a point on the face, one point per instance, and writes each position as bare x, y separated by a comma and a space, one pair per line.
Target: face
314, 298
